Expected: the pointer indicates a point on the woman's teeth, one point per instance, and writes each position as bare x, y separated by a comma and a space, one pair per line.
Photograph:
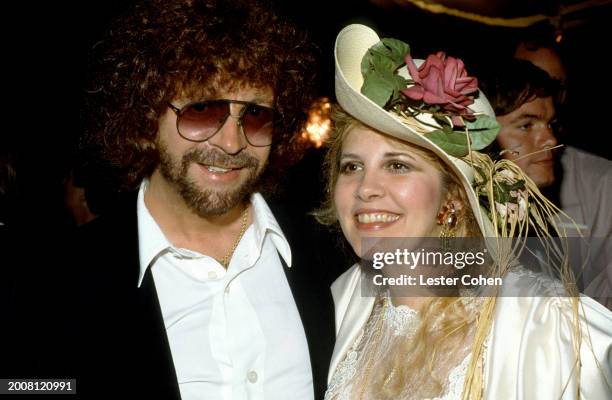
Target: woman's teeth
369, 218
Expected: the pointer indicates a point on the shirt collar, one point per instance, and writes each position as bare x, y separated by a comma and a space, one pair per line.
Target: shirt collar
152, 242
264, 223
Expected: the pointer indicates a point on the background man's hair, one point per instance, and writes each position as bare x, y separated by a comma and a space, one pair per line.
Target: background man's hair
538, 36
163, 49
513, 82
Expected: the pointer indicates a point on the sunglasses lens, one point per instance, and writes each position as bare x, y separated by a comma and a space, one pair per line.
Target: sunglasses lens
199, 121
258, 123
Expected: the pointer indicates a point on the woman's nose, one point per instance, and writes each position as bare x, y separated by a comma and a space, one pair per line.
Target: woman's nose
370, 187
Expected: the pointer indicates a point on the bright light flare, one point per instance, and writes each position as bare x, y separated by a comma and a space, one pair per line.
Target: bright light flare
319, 124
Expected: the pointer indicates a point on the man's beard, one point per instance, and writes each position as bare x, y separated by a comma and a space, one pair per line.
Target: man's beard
209, 202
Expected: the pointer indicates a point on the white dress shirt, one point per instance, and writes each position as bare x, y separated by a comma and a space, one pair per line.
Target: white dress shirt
585, 195
236, 333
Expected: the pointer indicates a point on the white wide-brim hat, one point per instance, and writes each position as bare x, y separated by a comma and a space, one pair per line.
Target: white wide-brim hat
352, 44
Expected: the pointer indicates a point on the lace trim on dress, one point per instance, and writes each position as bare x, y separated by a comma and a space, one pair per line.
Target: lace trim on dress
403, 320
386, 328
456, 379
340, 386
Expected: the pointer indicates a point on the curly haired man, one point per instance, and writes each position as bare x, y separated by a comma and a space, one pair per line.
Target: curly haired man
196, 292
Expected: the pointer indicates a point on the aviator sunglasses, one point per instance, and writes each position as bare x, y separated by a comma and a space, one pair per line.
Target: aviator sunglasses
201, 120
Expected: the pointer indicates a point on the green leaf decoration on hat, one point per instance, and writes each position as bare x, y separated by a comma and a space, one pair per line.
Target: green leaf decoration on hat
482, 131
450, 141
381, 83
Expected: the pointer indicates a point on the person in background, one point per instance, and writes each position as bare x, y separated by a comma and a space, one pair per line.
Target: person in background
540, 48
75, 201
523, 96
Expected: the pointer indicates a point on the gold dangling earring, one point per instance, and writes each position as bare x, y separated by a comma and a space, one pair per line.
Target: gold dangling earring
448, 219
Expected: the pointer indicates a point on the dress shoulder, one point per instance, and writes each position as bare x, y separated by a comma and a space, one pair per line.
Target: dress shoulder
531, 351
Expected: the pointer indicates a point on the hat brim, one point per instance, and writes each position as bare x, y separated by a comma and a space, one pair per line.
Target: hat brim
352, 43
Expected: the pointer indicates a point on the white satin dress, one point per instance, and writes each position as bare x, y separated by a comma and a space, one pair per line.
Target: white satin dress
529, 353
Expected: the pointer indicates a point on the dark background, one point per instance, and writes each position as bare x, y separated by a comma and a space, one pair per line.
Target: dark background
45, 62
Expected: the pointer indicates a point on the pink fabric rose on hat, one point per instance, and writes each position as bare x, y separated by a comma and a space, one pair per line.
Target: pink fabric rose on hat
443, 81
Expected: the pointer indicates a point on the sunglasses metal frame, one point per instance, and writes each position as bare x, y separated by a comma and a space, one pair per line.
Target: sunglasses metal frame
179, 111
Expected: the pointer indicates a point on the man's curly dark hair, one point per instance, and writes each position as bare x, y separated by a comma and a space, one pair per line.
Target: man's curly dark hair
168, 48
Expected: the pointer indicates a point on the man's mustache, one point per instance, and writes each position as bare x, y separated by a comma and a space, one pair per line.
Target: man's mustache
219, 159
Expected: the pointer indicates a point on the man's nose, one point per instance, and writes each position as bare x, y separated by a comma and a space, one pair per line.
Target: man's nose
230, 137
546, 137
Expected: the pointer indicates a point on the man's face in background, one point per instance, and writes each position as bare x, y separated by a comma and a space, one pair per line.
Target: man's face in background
526, 135
549, 61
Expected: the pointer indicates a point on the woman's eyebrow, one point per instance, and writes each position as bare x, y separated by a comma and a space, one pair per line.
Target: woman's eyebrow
398, 154
349, 155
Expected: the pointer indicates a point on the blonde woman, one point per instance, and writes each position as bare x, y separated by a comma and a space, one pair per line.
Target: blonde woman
403, 162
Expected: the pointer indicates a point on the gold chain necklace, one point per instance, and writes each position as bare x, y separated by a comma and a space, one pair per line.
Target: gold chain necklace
226, 259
